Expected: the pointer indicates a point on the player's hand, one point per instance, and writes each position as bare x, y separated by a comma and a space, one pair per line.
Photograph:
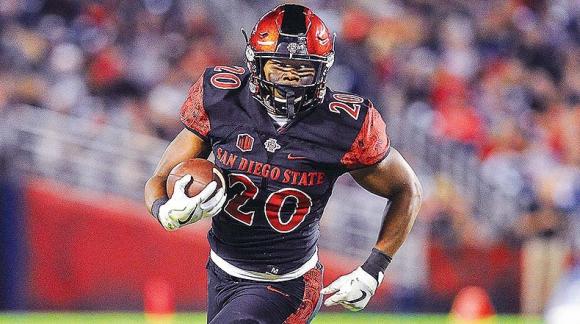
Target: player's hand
353, 291
181, 210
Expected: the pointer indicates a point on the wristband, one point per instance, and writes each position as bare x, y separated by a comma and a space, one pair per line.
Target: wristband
376, 264
156, 205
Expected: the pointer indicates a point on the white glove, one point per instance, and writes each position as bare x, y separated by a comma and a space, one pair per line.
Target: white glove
181, 210
353, 291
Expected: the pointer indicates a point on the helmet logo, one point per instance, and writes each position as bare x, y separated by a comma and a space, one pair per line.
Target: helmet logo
298, 47
271, 145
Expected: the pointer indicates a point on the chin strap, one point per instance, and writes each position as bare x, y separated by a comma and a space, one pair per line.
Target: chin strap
290, 109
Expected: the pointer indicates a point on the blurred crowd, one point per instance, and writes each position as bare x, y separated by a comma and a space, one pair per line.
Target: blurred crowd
502, 78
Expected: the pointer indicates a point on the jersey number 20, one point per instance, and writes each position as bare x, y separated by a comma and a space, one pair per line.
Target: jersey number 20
227, 78
272, 208
348, 103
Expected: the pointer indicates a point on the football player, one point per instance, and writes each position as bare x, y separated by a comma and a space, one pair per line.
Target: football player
282, 138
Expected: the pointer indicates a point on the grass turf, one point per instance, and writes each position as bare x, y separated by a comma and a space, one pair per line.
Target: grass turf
322, 318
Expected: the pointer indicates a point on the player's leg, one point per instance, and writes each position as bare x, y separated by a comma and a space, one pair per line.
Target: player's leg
220, 288
311, 300
294, 301
252, 307
533, 274
235, 300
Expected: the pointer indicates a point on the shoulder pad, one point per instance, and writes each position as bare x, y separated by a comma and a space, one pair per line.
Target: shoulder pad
350, 109
371, 143
221, 80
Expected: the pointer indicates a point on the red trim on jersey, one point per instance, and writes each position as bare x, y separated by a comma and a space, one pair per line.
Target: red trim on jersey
371, 144
193, 114
312, 287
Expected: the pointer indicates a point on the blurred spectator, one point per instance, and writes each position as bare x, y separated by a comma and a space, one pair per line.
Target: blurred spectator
543, 256
564, 305
450, 218
456, 120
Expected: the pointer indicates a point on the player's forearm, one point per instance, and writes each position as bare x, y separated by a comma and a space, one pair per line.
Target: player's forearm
186, 145
400, 217
395, 180
154, 189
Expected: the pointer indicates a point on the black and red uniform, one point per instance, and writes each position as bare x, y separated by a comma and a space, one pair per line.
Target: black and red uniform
280, 178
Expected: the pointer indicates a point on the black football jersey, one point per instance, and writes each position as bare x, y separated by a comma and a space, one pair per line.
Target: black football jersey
279, 179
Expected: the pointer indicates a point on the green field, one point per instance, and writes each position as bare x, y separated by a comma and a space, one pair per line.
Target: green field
331, 318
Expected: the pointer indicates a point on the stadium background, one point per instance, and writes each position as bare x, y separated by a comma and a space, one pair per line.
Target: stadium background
480, 96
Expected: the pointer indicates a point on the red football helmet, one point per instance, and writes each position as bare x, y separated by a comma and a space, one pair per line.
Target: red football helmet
291, 32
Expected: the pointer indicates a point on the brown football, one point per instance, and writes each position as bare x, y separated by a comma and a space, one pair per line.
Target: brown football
202, 172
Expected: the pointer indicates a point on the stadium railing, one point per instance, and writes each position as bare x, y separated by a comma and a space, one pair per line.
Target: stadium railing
103, 157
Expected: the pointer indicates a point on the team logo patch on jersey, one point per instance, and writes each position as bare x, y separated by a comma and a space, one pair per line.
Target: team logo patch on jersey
271, 145
245, 142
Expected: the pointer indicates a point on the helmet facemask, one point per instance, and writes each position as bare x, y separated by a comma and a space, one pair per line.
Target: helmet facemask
281, 98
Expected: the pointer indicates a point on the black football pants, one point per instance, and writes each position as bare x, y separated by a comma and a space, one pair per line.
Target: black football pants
234, 300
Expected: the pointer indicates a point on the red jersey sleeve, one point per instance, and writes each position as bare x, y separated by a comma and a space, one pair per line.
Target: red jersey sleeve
193, 114
371, 144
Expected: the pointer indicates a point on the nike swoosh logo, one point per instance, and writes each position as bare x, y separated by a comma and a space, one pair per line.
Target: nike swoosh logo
269, 287
188, 218
294, 157
363, 296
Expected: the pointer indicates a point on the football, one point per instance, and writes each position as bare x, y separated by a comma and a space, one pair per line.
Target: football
202, 172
